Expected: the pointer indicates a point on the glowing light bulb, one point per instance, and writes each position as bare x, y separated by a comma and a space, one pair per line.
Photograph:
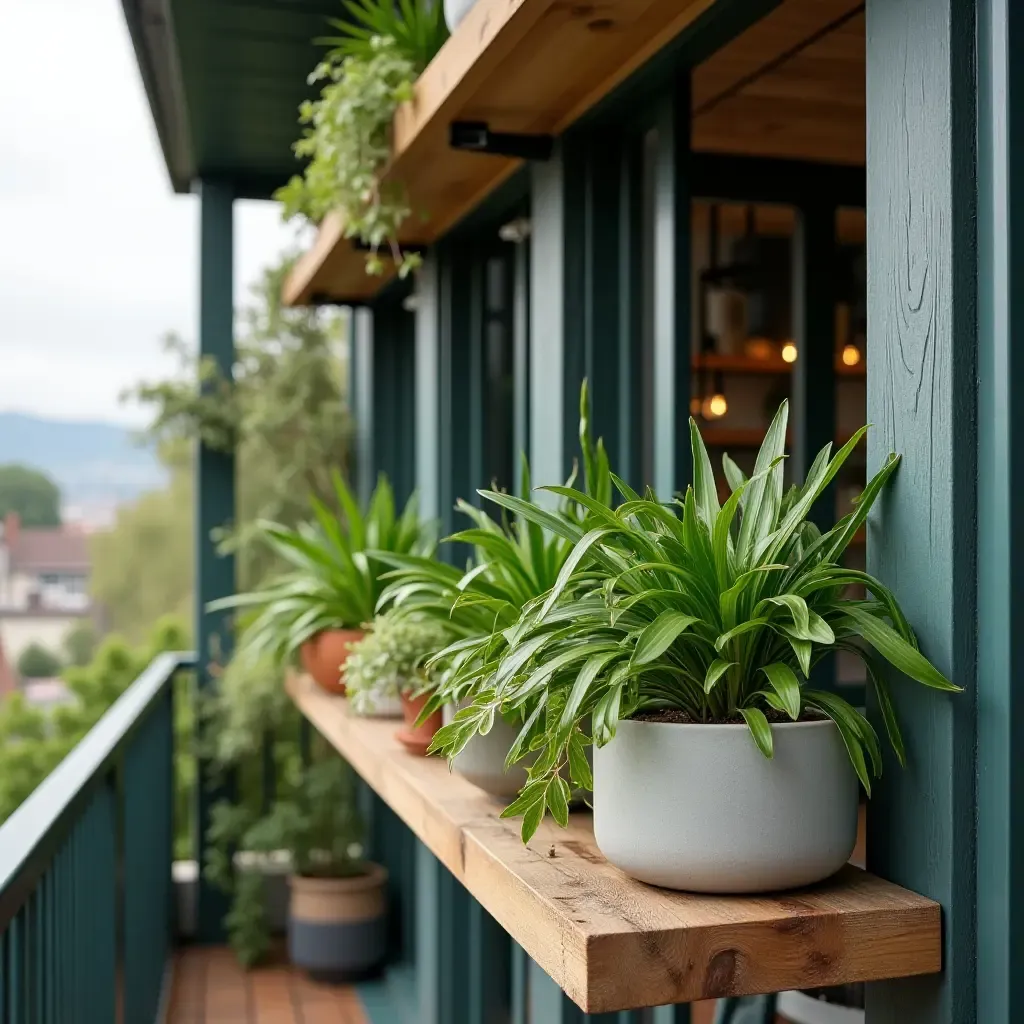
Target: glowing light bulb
851, 355
789, 352
719, 406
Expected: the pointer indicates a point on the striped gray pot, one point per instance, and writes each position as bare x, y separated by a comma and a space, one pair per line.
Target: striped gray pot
337, 927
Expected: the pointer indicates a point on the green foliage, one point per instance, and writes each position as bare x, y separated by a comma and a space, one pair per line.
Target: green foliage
29, 493
418, 30
34, 741
389, 660
80, 643
347, 141
37, 662
333, 581
718, 610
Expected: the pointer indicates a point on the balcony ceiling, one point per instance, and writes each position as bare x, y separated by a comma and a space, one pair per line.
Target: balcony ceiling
224, 79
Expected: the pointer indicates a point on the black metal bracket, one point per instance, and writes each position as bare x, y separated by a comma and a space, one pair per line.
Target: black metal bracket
477, 137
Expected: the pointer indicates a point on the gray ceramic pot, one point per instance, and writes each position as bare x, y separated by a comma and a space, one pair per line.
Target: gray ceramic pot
337, 927
482, 760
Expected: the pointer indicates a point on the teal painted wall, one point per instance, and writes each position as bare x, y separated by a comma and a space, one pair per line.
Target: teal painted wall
427, 446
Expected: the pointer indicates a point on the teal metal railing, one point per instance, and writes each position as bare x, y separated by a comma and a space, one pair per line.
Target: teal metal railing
86, 898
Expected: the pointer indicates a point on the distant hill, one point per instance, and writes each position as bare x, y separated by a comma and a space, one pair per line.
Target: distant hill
94, 463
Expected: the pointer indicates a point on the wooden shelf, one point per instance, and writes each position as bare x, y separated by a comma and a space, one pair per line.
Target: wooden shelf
713, 362
613, 943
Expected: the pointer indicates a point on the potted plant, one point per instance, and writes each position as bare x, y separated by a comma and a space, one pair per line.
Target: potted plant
337, 909
515, 563
385, 670
368, 73
687, 633
317, 608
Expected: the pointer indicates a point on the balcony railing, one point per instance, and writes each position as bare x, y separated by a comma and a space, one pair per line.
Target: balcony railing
86, 900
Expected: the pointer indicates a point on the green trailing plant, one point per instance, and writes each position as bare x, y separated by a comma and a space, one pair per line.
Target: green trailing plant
389, 660
333, 581
417, 29
718, 611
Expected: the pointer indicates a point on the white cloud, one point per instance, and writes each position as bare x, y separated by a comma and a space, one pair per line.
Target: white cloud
98, 258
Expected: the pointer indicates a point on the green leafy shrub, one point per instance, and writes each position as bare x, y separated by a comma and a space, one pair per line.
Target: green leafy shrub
38, 662
418, 30
719, 611
388, 661
334, 582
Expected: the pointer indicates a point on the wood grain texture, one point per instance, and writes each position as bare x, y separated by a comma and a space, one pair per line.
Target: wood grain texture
613, 943
921, 398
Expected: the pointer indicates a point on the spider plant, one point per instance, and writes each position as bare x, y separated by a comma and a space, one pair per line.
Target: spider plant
416, 28
333, 581
514, 562
719, 611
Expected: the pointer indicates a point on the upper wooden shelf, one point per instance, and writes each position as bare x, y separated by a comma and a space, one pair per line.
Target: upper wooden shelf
713, 362
613, 943
520, 65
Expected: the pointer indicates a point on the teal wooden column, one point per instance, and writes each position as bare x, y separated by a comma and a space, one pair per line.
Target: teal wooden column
814, 381
672, 293
922, 401
360, 329
1000, 746
214, 494
521, 349
427, 398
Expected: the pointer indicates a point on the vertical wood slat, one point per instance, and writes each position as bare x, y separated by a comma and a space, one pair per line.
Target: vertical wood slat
214, 497
521, 353
1000, 743
921, 398
361, 336
426, 377
672, 294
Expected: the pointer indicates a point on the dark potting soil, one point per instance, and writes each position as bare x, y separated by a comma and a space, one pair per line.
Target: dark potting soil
676, 716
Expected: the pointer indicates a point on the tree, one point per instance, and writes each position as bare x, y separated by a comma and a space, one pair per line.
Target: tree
29, 493
36, 662
80, 643
143, 567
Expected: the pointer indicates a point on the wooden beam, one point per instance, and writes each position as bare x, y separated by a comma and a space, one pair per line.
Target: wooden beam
612, 943
922, 400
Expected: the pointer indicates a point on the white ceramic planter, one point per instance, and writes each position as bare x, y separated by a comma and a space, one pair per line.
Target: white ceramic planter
455, 11
482, 760
383, 707
698, 807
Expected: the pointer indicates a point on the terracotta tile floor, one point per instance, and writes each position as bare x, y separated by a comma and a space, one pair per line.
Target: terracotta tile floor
210, 988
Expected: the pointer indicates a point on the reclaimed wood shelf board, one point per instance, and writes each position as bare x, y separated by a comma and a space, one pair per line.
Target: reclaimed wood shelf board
613, 943
714, 362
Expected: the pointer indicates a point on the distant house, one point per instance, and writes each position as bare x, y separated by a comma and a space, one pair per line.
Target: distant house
44, 584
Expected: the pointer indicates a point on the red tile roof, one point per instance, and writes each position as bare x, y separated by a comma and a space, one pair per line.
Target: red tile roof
50, 550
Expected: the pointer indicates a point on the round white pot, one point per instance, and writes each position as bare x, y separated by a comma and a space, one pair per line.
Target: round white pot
383, 707
455, 11
482, 760
698, 807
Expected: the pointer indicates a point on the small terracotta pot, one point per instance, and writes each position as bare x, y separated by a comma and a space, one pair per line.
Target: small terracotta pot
324, 655
415, 738
337, 927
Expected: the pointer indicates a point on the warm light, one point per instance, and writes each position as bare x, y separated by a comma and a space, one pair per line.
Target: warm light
789, 352
714, 406
851, 355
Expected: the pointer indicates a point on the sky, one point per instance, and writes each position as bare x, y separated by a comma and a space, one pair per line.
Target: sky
98, 257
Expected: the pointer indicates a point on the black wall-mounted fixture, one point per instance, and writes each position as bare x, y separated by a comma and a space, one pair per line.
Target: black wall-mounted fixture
477, 137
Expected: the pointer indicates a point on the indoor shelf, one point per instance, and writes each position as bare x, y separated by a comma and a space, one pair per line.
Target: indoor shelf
713, 362
613, 943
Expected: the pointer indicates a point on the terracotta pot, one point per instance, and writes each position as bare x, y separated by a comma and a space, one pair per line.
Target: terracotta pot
415, 738
337, 927
324, 655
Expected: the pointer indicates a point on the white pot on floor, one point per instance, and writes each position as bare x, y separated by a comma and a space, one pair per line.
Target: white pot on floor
482, 760
698, 807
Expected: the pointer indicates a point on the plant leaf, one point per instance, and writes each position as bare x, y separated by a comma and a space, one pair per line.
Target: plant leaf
784, 682
759, 729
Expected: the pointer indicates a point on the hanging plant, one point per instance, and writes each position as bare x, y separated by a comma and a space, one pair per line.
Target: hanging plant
368, 73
